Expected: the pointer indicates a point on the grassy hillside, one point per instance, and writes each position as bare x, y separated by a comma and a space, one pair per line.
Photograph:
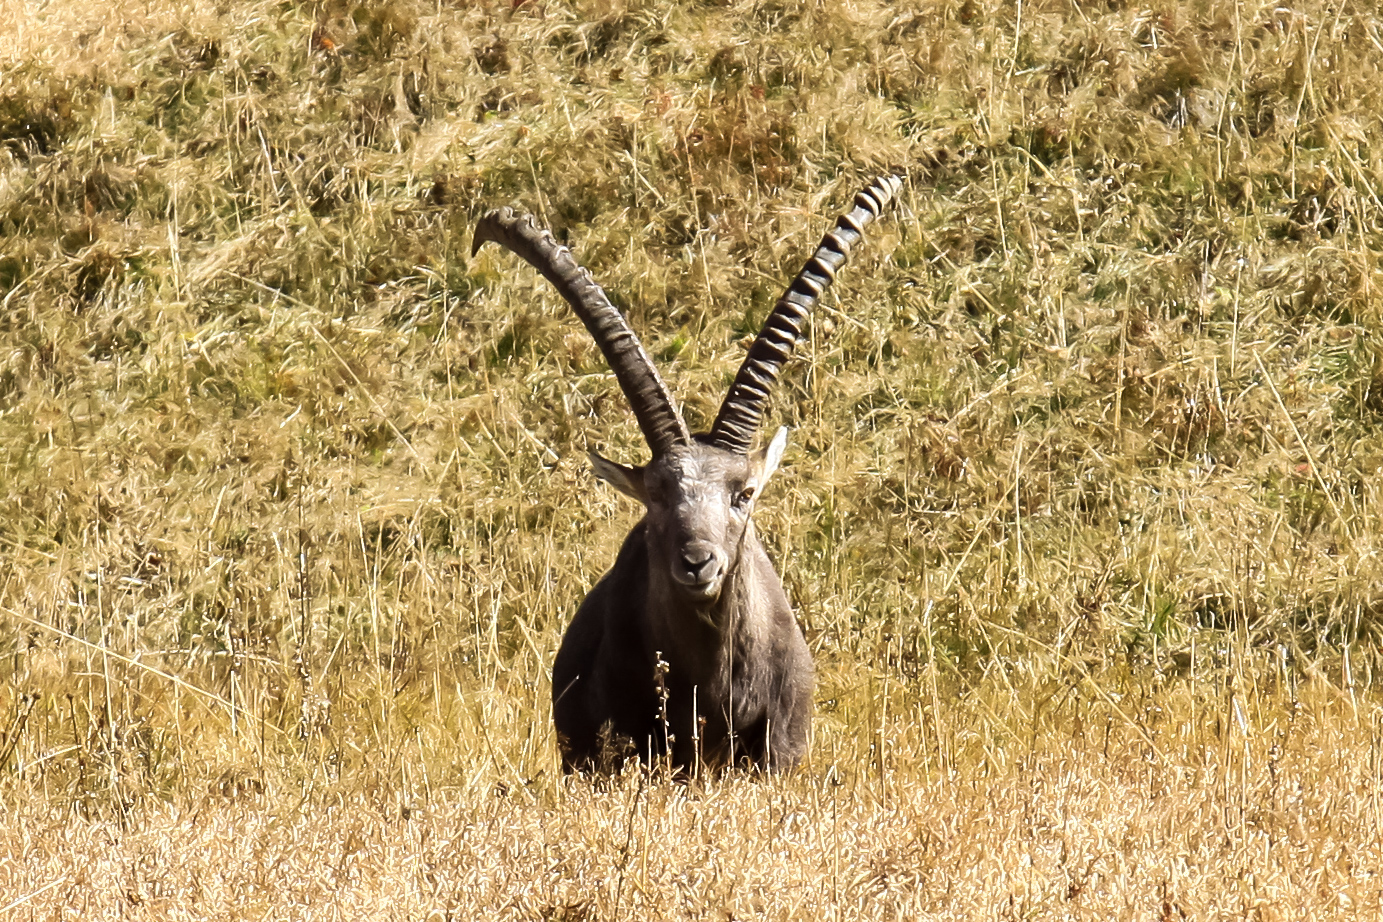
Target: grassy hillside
1081, 511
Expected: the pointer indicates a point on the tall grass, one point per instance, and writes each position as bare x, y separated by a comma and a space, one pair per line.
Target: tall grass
1081, 510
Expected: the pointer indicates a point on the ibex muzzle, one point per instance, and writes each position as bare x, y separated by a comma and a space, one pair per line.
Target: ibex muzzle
687, 647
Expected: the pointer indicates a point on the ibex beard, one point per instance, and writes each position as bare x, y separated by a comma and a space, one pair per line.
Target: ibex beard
687, 650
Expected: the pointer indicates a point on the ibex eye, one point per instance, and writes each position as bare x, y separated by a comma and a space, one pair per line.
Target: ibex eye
744, 496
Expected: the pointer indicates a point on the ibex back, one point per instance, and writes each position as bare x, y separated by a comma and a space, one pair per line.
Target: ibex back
688, 647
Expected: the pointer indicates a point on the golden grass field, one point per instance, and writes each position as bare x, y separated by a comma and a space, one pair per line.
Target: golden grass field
1082, 509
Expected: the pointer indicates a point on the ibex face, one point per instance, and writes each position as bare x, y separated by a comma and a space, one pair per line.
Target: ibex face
699, 500
687, 647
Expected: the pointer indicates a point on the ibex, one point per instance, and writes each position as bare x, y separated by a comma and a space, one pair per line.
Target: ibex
687, 648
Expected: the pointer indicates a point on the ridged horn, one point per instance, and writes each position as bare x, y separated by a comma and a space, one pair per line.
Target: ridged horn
648, 396
739, 416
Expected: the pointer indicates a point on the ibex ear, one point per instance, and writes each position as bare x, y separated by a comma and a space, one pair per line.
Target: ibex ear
628, 480
765, 460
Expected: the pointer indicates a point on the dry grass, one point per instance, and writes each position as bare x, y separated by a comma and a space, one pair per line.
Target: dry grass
1081, 509
1229, 822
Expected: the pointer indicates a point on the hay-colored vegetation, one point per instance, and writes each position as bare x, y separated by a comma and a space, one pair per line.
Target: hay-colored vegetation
1082, 510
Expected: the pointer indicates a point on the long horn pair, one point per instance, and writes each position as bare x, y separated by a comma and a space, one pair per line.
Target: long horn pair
743, 408
659, 420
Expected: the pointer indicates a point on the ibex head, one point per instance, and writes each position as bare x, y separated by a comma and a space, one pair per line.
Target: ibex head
699, 490
699, 499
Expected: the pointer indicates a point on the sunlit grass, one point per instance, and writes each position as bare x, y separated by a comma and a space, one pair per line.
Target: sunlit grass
1080, 511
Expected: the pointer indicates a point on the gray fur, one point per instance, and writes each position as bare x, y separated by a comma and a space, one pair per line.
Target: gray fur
687, 647
692, 585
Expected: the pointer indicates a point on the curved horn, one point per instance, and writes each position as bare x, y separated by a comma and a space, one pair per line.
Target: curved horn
739, 415
648, 396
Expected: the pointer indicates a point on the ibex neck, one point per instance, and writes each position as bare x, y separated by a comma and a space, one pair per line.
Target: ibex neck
707, 636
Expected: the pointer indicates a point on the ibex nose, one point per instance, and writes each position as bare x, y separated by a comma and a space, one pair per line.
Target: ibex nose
700, 565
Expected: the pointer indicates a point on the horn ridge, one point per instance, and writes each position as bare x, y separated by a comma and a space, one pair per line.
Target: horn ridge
659, 421
742, 410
